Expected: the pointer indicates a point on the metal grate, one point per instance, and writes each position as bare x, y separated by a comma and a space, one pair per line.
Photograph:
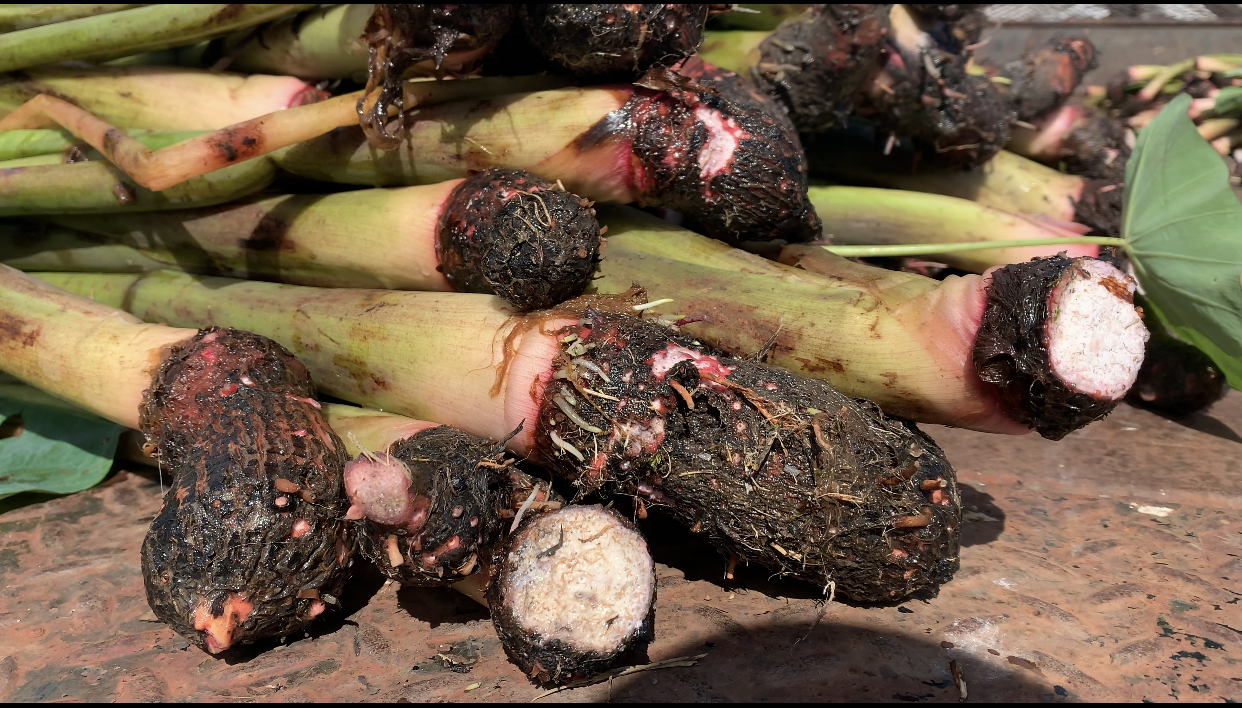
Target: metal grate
1113, 13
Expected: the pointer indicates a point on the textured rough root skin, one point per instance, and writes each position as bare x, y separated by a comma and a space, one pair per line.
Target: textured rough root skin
774, 469
614, 42
550, 661
461, 482
739, 172
1011, 351
232, 558
931, 99
401, 36
1044, 78
816, 63
1176, 378
511, 234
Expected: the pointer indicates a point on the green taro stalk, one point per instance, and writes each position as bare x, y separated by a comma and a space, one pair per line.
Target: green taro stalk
133, 31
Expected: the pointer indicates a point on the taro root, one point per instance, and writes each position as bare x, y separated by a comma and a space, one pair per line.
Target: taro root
614, 42
572, 593
773, 469
1070, 353
402, 36
924, 92
251, 540
235, 556
1044, 78
503, 232
669, 143
817, 62
432, 505
1176, 378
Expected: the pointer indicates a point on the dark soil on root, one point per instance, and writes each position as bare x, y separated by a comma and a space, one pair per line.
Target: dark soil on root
816, 62
614, 42
961, 117
773, 469
1176, 378
1011, 352
757, 192
463, 481
401, 36
232, 416
514, 235
551, 661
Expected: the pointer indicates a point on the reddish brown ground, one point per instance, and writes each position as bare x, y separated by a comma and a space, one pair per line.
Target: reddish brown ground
1070, 589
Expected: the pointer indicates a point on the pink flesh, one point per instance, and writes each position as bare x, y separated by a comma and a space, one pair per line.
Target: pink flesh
300, 527
672, 355
724, 134
219, 630
380, 491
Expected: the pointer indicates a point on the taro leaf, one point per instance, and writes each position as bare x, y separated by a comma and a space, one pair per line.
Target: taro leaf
1183, 230
58, 451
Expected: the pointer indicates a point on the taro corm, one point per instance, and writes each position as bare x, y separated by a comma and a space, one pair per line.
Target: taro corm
1049, 345
449, 37
251, 541
613, 42
503, 232
572, 593
668, 142
622, 405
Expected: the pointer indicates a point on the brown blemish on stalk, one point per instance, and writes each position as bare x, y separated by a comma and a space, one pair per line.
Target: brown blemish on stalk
240, 144
12, 328
228, 13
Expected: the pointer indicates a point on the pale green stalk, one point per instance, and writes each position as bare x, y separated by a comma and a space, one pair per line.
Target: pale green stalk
940, 249
899, 339
98, 187
134, 31
935, 224
369, 238
735, 50
20, 17
326, 43
431, 356
16, 144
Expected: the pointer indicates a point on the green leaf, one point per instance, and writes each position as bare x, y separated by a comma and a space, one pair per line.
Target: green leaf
58, 451
1183, 229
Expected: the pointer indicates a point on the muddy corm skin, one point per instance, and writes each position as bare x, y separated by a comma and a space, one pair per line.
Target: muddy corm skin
930, 98
516, 574
1176, 378
736, 89
514, 235
1011, 351
739, 172
1042, 79
614, 42
816, 62
460, 485
401, 36
250, 541
775, 469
